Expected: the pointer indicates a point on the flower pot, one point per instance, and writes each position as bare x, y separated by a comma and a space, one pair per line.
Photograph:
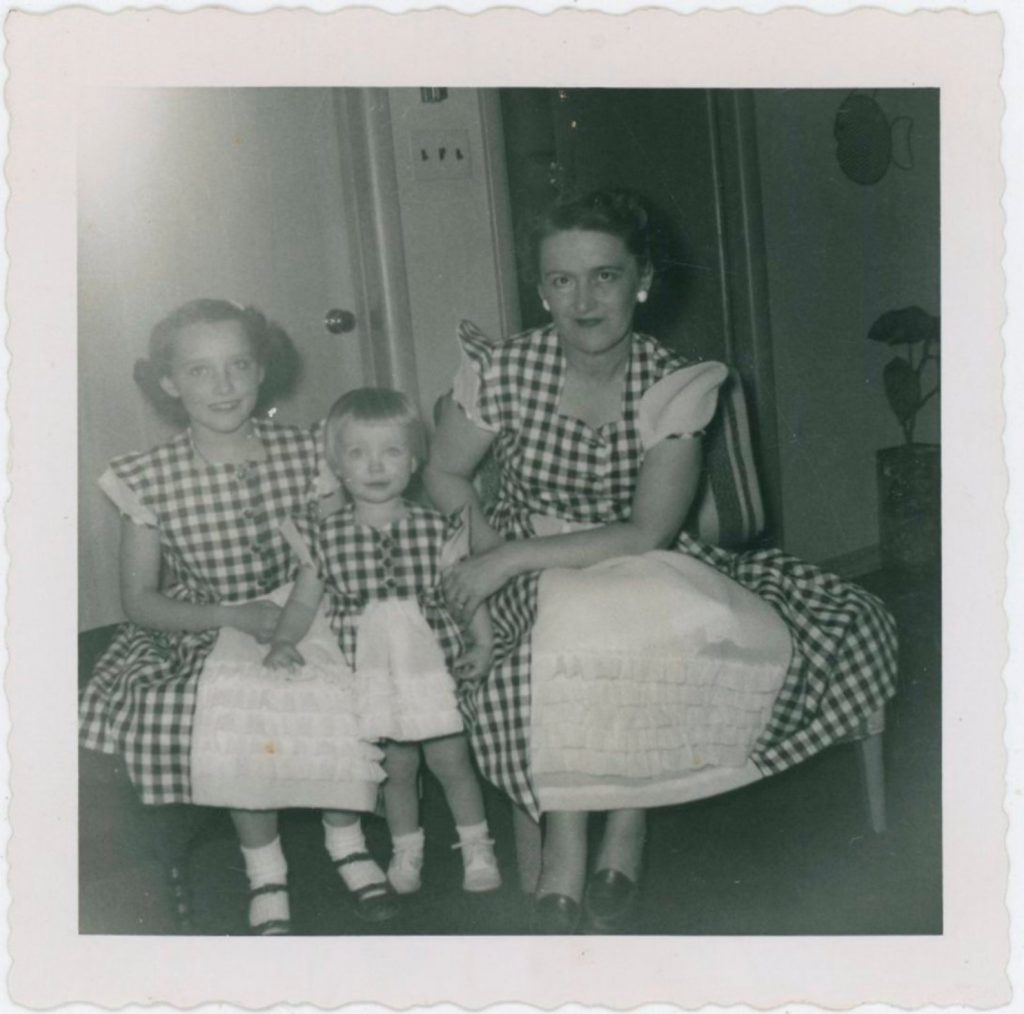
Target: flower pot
909, 506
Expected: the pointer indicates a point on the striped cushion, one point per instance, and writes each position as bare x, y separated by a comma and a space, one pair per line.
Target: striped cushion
730, 510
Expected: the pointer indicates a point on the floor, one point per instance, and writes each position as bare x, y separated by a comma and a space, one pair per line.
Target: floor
794, 854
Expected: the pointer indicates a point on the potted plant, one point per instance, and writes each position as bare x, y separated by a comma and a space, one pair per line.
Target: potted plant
909, 483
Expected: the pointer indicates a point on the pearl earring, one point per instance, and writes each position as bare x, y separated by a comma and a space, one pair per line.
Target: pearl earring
641, 296
544, 303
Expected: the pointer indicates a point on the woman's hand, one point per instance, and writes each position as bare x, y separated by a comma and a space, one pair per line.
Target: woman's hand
472, 581
473, 665
258, 619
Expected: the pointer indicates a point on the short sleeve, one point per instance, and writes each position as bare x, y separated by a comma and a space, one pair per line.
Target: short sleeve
469, 385
456, 543
126, 499
681, 404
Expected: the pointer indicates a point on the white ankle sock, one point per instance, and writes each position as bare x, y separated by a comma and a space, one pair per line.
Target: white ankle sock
405, 868
411, 842
266, 865
343, 842
479, 863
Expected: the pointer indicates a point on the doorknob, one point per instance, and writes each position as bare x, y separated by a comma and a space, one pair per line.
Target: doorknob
340, 321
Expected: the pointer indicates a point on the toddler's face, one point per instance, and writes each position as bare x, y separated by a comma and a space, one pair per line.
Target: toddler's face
373, 459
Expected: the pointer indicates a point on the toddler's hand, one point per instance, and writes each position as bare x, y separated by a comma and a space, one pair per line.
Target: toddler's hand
284, 655
473, 665
259, 619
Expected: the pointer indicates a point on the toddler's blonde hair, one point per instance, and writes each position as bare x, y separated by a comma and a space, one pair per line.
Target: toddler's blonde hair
375, 405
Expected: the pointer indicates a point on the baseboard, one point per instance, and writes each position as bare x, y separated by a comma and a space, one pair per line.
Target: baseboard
855, 563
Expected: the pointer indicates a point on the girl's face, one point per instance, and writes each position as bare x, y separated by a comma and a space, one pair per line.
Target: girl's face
215, 375
372, 459
590, 282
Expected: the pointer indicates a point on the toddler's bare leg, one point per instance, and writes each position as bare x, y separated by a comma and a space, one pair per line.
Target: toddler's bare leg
448, 758
401, 799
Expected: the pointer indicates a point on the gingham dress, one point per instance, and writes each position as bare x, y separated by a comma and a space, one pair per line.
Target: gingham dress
384, 585
843, 663
220, 542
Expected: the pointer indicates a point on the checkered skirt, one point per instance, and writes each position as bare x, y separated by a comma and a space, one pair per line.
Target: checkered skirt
844, 640
220, 542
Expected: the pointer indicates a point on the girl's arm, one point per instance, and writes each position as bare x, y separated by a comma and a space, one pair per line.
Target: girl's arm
146, 605
457, 449
664, 494
296, 619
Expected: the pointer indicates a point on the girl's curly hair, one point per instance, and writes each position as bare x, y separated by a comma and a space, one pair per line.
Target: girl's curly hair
270, 345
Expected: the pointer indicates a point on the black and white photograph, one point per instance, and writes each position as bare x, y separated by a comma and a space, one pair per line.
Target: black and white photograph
518, 515
671, 357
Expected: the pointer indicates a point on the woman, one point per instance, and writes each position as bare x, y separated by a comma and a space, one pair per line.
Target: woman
655, 677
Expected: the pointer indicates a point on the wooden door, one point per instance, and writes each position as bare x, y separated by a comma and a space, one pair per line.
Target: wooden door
232, 193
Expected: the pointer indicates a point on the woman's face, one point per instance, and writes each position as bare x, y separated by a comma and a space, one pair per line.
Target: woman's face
590, 281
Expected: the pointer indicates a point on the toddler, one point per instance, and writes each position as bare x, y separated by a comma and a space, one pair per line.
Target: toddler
379, 559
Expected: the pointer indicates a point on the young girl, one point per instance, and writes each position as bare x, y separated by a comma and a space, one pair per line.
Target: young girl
203, 576
380, 560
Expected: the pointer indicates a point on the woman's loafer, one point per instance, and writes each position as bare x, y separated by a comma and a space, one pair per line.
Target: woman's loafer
610, 900
555, 914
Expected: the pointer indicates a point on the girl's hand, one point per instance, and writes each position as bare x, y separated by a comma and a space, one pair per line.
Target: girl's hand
472, 581
284, 655
258, 619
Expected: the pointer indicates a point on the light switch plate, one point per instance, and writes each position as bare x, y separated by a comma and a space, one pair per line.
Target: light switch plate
441, 154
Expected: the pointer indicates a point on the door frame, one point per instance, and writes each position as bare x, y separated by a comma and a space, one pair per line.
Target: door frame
370, 186
742, 254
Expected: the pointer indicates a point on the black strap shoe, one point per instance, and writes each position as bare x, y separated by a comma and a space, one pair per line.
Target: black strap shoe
374, 902
270, 927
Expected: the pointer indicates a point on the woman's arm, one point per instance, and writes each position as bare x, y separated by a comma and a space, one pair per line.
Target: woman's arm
146, 605
664, 494
457, 449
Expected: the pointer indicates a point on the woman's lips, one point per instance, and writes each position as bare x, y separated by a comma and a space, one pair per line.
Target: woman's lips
225, 406
588, 321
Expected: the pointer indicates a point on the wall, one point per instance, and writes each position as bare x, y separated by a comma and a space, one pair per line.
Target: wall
840, 254
458, 252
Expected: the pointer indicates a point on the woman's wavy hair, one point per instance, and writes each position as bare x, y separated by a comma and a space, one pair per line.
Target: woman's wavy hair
617, 212
271, 347
375, 405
